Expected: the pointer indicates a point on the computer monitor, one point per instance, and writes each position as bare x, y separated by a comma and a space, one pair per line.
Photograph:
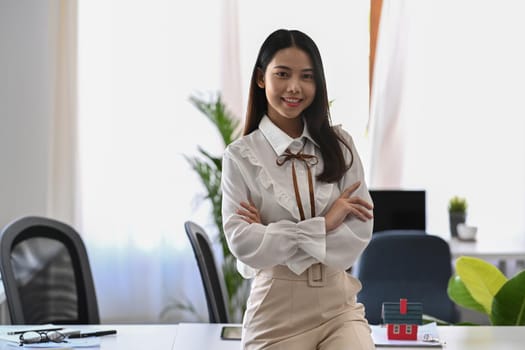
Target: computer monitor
399, 209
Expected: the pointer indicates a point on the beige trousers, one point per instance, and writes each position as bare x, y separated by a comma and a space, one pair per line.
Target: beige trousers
316, 310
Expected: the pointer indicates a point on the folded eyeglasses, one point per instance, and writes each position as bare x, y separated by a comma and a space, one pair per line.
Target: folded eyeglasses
32, 337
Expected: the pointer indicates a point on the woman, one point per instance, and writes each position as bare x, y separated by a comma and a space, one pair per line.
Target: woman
296, 209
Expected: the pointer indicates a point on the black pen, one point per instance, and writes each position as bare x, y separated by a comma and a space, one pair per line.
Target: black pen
35, 330
93, 334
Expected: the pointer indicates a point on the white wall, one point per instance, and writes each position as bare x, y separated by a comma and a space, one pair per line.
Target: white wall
26, 103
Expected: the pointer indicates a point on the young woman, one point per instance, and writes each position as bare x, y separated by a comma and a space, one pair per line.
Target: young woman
296, 210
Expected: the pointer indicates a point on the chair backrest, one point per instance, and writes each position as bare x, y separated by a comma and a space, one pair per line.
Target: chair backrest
399, 209
411, 265
211, 276
46, 273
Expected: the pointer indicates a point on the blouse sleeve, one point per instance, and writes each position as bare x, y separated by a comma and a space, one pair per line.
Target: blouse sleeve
260, 246
345, 243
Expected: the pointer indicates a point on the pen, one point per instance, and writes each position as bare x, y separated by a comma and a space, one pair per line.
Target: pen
93, 334
35, 330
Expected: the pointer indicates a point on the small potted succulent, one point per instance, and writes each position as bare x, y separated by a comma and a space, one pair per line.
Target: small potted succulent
457, 211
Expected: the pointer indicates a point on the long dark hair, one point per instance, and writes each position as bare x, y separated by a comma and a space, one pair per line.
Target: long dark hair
317, 115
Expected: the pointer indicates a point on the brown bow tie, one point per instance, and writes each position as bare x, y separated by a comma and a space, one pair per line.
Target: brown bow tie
309, 161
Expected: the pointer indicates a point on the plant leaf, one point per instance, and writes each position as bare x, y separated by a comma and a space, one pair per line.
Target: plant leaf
215, 160
508, 307
219, 115
482, 279
209, 169
460, 295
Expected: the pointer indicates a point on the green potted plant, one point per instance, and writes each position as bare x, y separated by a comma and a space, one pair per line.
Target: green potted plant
457, 211
209, 169
480, 286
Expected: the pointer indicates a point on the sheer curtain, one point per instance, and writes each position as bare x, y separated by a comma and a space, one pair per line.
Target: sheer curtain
461, 117
387, 97
138, 63
61, 189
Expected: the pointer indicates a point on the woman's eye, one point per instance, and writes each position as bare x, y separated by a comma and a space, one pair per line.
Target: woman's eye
308, 76
281, 74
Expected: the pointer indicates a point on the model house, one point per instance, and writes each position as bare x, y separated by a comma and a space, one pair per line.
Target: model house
402, 319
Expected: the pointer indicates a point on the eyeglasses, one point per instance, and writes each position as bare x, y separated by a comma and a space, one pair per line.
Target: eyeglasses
33, 337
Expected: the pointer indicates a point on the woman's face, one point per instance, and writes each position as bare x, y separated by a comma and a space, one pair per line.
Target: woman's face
289, 84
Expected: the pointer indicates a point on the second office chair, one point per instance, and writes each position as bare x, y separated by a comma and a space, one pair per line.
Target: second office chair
411, 265
211, 276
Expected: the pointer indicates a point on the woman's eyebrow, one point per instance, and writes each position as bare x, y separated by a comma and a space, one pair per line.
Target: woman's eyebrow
288, 68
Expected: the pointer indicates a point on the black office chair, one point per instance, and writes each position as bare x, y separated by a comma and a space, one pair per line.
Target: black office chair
411, 265
46, 273
211, 276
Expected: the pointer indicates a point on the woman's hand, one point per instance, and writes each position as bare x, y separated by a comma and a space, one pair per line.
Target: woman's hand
346, 205
249, 213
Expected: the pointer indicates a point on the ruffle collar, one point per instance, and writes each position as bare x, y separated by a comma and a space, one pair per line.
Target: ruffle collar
249, 147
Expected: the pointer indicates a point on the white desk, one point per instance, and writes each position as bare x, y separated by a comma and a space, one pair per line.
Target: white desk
207, 337
202, 336
505, 252
128, 337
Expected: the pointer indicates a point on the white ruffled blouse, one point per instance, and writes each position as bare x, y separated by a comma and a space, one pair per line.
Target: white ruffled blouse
250, 172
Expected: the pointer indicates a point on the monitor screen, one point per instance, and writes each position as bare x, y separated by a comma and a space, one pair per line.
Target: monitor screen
399, 209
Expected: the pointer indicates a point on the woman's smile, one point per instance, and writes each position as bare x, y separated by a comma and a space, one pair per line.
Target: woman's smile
292, 101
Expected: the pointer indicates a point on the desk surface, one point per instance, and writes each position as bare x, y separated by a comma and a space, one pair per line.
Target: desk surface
484, 248
128, 337
207, 337
508, 254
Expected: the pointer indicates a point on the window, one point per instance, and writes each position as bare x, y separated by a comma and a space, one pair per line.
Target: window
396, 329
448, 99
139, 61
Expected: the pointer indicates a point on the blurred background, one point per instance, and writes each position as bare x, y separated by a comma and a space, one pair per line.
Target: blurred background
96, 121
